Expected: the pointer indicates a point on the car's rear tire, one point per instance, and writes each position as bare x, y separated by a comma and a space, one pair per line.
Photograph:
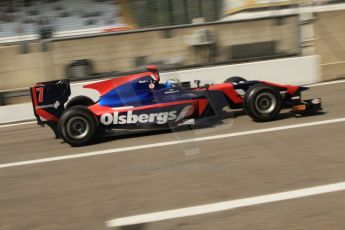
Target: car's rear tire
77, 126
262, 102
234, 80
79, 100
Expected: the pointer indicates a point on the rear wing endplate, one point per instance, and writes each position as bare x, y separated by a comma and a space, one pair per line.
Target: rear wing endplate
48, 100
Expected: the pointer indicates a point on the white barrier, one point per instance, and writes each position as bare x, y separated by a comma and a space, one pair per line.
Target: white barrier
297, 70
16, 113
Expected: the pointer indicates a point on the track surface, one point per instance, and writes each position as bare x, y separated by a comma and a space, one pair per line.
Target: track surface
83, 193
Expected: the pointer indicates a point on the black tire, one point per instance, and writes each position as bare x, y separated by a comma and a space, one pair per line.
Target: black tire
80, 100
234, 80
262, 102
77, 126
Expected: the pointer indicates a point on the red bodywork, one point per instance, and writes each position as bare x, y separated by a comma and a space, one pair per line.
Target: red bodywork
199, 105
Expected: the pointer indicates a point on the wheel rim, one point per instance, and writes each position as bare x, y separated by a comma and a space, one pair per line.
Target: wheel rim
265, 103
77, 128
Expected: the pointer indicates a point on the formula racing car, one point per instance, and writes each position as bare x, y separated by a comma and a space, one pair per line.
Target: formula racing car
141, 101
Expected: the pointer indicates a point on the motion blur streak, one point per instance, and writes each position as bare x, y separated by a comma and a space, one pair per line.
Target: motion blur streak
227, 205
18, 124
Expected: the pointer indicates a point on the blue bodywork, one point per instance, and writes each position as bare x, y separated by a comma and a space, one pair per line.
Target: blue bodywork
138, 93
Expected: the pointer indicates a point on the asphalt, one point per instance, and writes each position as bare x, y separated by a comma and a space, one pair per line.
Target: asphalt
84, 193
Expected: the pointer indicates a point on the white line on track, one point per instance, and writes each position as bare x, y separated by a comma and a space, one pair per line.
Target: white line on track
224, 206
199, 139
17, 124
327, 83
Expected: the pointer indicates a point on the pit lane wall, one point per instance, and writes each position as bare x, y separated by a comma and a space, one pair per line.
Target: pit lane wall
297, 70
329, 41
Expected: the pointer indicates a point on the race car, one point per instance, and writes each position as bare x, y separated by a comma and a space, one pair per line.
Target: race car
140, 101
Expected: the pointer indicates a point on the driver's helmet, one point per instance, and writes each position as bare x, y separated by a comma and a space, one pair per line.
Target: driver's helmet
172, 83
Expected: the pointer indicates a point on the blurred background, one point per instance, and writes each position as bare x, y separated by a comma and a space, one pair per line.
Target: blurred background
90, 39
283, 41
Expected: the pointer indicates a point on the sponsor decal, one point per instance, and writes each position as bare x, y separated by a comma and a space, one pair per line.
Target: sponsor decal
143, 118
55, 105
188, 122
316, 101
172, 91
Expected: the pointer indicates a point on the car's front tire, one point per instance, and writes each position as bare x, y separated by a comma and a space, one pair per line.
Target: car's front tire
262, 102
77, 126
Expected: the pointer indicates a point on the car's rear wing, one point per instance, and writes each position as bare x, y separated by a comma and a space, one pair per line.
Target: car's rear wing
48, 99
